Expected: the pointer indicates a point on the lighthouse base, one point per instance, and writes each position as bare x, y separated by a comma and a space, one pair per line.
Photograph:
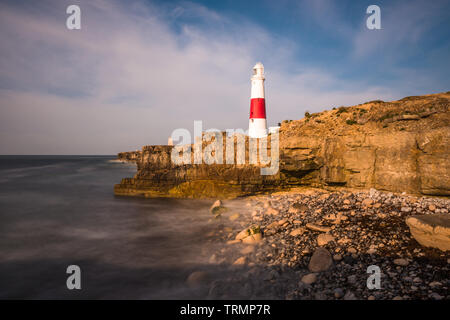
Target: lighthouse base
257, 128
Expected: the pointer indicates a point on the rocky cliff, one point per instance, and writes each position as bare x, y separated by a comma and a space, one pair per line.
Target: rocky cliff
157, 176
131, 156
399, 146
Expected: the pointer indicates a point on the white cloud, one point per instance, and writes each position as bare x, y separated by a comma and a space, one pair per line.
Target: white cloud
128, 78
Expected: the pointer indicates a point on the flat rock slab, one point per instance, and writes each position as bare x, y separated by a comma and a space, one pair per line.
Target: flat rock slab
431, 230
317, 227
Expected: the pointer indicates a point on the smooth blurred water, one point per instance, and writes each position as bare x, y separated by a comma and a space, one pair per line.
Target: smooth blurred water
57, 211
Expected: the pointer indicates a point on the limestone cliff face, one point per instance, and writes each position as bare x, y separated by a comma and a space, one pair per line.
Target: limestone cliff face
157, 176
131, 156
395, 146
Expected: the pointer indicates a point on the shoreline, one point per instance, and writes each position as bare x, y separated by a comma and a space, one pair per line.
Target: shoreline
357, 229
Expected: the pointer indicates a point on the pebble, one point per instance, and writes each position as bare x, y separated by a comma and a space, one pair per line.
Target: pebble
360, 230
272, 211
338, 293
309, 278
401, 262
323, 239
240, 261
298, 231
337, 257
435, 284
316, 227
349, 296
436, 296
351, 279
320, 260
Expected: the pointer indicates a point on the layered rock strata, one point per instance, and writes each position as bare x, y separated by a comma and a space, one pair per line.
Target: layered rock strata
398, 146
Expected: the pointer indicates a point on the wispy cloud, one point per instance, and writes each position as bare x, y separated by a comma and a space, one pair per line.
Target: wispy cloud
404, 23
129, 77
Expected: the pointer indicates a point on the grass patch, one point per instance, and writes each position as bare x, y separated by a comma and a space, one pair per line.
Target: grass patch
375, 101
341, 110
254, 230
362, 112
411, 98
388, 115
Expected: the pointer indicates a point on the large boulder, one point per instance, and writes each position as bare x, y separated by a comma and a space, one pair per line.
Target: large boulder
431, 230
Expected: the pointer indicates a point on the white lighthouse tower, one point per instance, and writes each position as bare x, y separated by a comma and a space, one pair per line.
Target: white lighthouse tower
257, 127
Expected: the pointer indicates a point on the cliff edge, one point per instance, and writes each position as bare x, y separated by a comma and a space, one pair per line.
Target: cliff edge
398, 146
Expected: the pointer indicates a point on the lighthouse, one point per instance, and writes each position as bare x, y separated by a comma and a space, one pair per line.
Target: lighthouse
257, 127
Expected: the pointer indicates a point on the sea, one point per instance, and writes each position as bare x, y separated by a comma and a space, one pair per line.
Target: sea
61, 211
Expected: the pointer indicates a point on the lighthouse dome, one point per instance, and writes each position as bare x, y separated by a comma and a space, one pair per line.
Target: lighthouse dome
258, 69
258, 65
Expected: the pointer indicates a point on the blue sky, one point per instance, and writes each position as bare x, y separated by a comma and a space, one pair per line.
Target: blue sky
332, 35
139, 69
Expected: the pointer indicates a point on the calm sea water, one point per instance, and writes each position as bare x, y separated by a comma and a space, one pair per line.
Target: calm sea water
57, 211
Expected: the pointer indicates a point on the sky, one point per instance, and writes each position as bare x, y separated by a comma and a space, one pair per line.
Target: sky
137, 70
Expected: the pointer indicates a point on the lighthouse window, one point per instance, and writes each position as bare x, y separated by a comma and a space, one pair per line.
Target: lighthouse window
254, 71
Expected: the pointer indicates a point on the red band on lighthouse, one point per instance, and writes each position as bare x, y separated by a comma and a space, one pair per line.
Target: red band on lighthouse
258, 108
